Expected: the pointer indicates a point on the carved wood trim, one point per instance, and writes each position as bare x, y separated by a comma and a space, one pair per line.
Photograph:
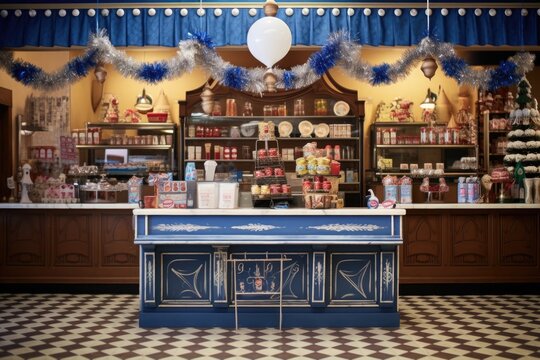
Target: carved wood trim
72, 240
469, 240
423, 245
519, 240
117, 247
26, 237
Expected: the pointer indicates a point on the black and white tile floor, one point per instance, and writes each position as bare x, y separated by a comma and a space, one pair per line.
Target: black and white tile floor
59, 326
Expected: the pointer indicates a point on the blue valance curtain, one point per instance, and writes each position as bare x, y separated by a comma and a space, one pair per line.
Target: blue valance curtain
517, 27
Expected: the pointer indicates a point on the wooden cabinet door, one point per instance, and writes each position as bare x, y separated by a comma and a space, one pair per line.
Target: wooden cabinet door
423, 236
72, 240
25, 238
117, 247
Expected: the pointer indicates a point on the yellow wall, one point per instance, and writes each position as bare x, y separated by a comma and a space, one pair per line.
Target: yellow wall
413, 87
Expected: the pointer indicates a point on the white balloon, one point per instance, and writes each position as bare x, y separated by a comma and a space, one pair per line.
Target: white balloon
235, 12
444, 12
32, 13
367, 12
381, 12
120, 12
136, 12
350, 11
183, 12
413, 12
508, 12
269, 39
428, 12
62, 13
478, 12
289, 12
524, 12
320, 11
151, 11
252, 12
201, 12
218, 12
492, 12
462, 12
398, 12
18, 13
336, 12
104, 12
91, 12
168, 12
75, 12
305, 11
4, 13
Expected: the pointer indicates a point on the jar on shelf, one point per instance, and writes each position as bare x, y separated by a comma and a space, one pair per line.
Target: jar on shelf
235, 132
248, 109
386, 136
393, 136
423, 135
299, 107
379, 136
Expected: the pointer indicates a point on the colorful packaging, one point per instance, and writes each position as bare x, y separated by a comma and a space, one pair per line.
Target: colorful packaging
405, 190
134, 189
461, 191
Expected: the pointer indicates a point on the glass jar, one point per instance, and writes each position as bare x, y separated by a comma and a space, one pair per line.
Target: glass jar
235, 132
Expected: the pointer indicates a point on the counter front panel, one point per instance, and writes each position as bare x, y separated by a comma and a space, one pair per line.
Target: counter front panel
332, 270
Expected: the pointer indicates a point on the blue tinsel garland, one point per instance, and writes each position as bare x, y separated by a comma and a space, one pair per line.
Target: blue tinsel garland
339, 50
504, 75
153, 72
235, 77
288, 79
380, 74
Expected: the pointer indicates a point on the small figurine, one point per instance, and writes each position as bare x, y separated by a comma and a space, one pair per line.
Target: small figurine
26, 182
111, 116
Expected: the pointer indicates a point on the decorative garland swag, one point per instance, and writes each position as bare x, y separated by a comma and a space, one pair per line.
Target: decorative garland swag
199, 50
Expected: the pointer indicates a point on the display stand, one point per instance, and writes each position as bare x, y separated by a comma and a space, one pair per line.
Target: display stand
272, 161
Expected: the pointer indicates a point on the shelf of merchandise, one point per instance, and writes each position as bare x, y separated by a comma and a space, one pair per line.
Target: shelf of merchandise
126, 126
353, 138
147, 129
416, 176
426, 146
486, 137
154, 147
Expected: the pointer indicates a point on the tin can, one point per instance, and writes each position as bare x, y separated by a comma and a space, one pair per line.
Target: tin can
327, 185
227, 153
286, 188
307, 185
234, 152
337, 152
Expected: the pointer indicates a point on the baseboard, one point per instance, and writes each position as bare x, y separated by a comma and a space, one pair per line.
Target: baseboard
70, 288
470, 289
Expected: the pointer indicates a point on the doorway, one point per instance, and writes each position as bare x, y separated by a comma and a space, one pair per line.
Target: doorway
6, 141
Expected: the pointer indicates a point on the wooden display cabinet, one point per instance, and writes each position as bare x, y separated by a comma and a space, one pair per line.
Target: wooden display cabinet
222, 130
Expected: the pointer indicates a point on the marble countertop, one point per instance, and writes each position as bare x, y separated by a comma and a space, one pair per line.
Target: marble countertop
69, 206
468, 206
264, 211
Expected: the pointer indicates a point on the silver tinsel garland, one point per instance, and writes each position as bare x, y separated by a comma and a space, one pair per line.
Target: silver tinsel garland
339, 51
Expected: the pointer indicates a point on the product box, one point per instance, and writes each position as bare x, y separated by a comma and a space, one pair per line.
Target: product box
207, 195
228, 195
176, 194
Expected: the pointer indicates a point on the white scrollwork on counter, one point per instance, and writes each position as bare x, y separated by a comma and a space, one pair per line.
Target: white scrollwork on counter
183, 227
255, 227
347, 227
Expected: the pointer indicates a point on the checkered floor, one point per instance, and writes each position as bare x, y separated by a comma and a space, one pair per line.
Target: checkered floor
60, 326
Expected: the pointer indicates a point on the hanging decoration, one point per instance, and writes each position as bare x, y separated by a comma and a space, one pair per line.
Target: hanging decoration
199, 50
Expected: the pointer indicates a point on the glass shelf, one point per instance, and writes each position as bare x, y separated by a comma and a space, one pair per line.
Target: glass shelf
140, 126
425, 146
279, 138
153, 147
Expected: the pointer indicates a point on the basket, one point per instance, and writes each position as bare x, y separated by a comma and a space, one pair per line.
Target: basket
320, 201
157, 117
